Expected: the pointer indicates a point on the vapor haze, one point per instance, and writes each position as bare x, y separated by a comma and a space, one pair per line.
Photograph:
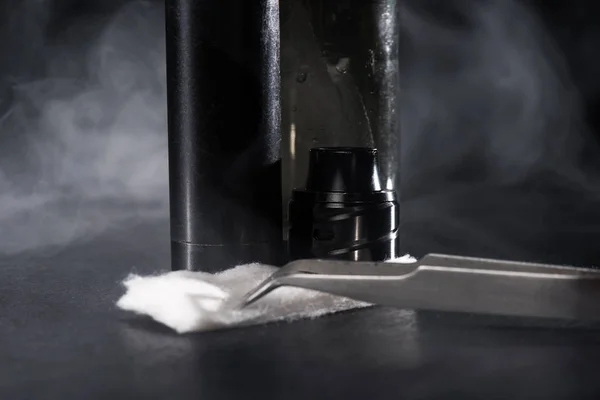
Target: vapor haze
488, 79
492, 131
90, 134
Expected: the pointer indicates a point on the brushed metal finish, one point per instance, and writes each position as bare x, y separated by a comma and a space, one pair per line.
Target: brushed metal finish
451, 283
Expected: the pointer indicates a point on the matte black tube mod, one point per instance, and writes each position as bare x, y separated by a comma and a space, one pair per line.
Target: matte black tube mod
223, 114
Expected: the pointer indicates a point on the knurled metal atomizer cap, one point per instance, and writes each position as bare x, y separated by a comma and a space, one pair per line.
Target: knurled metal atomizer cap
343, 212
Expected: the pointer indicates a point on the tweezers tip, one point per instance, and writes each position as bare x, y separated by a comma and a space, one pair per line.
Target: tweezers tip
257, 293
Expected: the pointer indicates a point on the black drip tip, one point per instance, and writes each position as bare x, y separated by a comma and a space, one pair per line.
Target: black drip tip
343, 213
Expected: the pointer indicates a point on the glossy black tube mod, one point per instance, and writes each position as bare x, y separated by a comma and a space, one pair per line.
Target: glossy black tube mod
223, 114
340, 83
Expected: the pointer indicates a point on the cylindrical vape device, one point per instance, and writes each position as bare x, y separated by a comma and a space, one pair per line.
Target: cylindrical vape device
340, 130
339, 82
332, 105
224, 132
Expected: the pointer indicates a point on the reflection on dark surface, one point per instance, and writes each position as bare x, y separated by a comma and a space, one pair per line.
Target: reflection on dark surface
499, 158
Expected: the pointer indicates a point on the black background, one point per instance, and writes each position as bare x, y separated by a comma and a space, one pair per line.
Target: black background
534, 196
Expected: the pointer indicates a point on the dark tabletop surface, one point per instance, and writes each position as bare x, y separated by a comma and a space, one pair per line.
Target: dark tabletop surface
61, 337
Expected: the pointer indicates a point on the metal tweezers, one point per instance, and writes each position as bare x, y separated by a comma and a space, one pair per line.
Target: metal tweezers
450, 283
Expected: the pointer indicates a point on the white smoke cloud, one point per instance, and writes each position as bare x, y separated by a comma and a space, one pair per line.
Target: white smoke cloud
494, 86
95, 134
492, 131
489, 115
